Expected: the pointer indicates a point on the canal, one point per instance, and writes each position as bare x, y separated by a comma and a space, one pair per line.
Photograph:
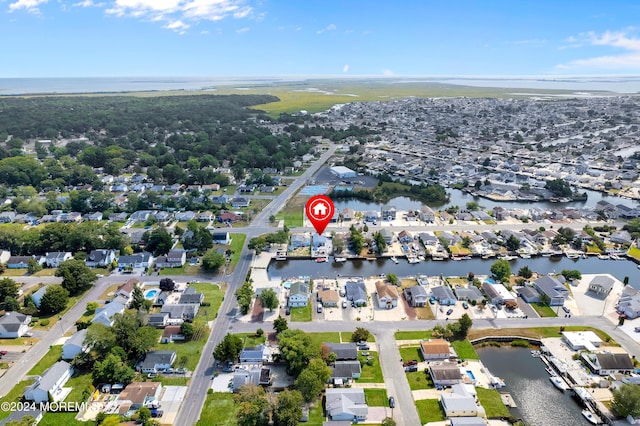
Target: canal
539, 402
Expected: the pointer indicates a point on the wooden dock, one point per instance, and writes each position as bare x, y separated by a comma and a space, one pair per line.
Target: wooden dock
508, 400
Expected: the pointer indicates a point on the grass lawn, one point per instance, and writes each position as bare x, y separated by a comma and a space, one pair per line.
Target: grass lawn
80, 384
47, 361
346, 337
53, 318
370, 373
301, 314
424, 313
47, 272
175, 380
61, 419
634, 252
186, 269
430, 410
543, 310
187, 353
110, 289
14, 395
212, 294
419, 380
293, 216
14, 272
413, 335
316, 416
237, 242
20, 341
376, 397
536, 332
464, 349
492, 403
410, 352
250, 339
329, 336
219, 410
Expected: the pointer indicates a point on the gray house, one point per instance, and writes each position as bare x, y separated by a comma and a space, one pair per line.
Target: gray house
346, 404
345, 371
416, 296
356, 292
299, 294
552, 289
444, 295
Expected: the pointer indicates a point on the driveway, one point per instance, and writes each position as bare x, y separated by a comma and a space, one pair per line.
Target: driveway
172, 397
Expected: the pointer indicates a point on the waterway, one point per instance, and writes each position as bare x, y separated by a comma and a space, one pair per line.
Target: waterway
460, 198
544, 265
539, 402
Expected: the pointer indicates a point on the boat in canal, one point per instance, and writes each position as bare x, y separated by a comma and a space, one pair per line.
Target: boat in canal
394, 259
339, 259
591, 417
559, 383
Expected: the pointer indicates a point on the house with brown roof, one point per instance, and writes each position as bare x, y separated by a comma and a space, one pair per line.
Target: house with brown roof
386, 295
328, 298
126, 290
435, 349
171, 333
445, 373
136, 394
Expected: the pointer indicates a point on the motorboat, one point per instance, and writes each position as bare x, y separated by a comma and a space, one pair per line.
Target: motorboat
339, 259
394, 259
321, 259
591, 417
559, 383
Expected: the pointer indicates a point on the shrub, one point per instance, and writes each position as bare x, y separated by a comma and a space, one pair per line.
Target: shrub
44, 322
520, 343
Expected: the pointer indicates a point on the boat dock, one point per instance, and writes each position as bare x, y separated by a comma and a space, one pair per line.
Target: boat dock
508, 400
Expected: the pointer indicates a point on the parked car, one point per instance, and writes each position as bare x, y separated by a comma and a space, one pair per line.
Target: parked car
151, 375
28, 334
156, 413
432, 300
287, 311
410, 362
3, 353
450, 311
344, 304
465, 305
364, 347
411, 368
392, 402
567, 310
181, 370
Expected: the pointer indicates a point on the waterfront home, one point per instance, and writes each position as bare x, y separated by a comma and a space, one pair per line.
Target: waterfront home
387, 235
445, 373
427, 215
444, 295
601, 285
14, 325
607, 363
343, 351
298, 294
555, 292
388, 213
497, 293
346, 404
371, 216
300, 240
74, 345
529, 294
460, 402
416, 296
156, 361
629, 303
581, 340
386, 295
100, 258
345, 371
50, 385
356, 292
347, 215
436, 349
468, 293
328, 298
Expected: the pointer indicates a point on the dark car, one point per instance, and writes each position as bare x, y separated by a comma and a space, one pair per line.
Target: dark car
156, 413
567, 310
410, 362
392, 402
287, 311
465, 305
450, 311
364, 347
411, 368
3, 353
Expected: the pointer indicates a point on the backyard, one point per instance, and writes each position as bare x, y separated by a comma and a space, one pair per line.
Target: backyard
419, 380
429, 410
219, 409
370, 373
492, 402
464, 349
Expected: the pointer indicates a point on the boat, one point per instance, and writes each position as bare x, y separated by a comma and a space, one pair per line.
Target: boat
559, 383
507, 257
525, 255
441, 258
591, 417
535, 354
603, 256
465, 258
545, 254
413, 260
550, 371
455, 258
615, 256
573, 255
394, 259
339, 259
321, 259
371, 258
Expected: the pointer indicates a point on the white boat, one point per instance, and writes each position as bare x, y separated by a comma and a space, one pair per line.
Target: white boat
535, 354
394, 259
603, 256
573, 255
615, 257
559, 383
339, 259
591, 417
525, 255
413, 260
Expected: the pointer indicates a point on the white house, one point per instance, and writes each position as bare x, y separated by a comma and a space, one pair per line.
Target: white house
100, 258
14, 325
157, 361
50, 383
37, 296
386, 295
54, 259
74, 345
298, 294
346, 404
460, 402
105, 315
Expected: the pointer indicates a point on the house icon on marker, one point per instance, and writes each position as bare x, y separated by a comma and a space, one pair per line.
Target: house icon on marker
320, 209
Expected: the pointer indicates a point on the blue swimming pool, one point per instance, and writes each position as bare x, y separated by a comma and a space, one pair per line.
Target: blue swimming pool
151, 294
470, 374
490, 281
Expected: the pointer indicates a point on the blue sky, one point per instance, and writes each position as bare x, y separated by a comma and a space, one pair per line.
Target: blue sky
59, 38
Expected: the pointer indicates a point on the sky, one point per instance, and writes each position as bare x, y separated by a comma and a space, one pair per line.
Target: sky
234, 38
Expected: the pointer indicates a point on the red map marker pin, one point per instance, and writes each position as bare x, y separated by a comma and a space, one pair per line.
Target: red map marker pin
320, 210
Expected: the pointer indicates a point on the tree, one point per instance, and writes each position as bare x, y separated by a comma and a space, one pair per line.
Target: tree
33, 266
571, 274
228, 349
132, 334
525, 272
253, 406
381, 244
200, 239
212, 261
54, 300
91, 307
25, 421
280, 324
112, 370
100, 339
259, 244
466, 323
76, 276
289, 408
626, 400
513, 243
269, 299
361, 334
167, 284
142, 415
392, 278
186, 329
244, 295
158, 241
296, 350
501, 270
312, 379
9, 289
138, 300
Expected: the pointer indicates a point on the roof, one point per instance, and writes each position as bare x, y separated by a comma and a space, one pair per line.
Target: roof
252, 352
128, 286
153, 358
468, 421
443, 292
459, 403
609, 361
77, 339
346, 368
528, 292
445, 371
137, 392
435, 346
470, 292
550, 286
11, 321
51, 377
328, 296
385, 290
603, 281
344, 351
416, 291
356, 290
300, 288
191, 297
180, 309
346, 401
110, 309
171, 330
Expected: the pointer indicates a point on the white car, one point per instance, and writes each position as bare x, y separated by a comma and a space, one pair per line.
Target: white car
28, 334
99, 275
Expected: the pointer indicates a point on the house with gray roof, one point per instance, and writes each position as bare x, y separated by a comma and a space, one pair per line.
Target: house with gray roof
601, 285
74, 345
529, 294
346, 404
345, 371
50, 384
138, 260
54, 259
156, 361
19, 416
445, 373
14, 325
298, 294
100, 258
343, 351
607, 363
190, 295
356, 292
36, 296
444, 295
552, 289
469, 293
629, 303
183, 311
158, 320
105, 315
254, 355
254, 374
416, 296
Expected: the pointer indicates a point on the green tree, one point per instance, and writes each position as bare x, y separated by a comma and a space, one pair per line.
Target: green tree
112, 370
513, 243
525, 272
259, 244
142, 415
54, 299
311, 381
158, 241
289, 408
381, 244
33, 266
501, 270
228, 349
186, 329
244, 295
91, 307
76, 276
138, 301
571, 274
8, 289
280, 324
212, 261
167, 284
626, 400
388, 421
360, 335
465, 323
392, 278
269, 299
201, 240
253, 406
100, 339
296, 350
132, 334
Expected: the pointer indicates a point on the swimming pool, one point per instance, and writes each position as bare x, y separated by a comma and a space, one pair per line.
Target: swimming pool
470, 374
490, 281
151, 294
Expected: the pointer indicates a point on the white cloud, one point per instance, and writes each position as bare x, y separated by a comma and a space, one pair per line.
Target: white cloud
345, 68
177, 26
30, 6
330, 27
88, 3
530, 42
387, 73
618, 40
242, 30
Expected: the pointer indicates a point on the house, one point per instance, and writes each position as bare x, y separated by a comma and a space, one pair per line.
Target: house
346, 404
14, 325
582, 340
436, 349
19, 262
387, 235
356, 292
156, 361
343, 351
18, 417
239, 202
229, 217
607, 363
629, 303
126, 290
345, 371
459, 403
37, 295
7, 217
388, 213
158, 320
371, 216
347, 214
118, 217
190, 295
529, 294
254, 355
183, 311
100, 258
427, 215
105, 315
469, 293
386, 295
298, 294
136, 394
300, 240
497, 293
138, 260
601, 285
173, 259
185, 216
328, 298
444, 295
405, 237
54, 259
250, 374
445, 373
222, 238
552, 289
50, 384
74, 345
171, 333
220, 199
416, 296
